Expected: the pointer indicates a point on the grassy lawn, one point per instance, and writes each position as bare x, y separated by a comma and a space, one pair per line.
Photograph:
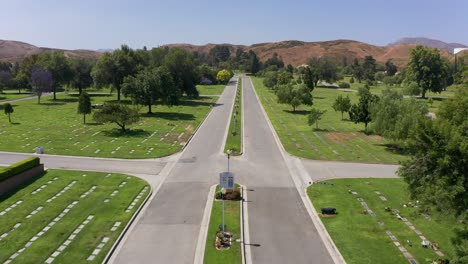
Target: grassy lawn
336, 139
232, 222
12, 95
361, 239
234, 137
377, 89
106, 214
215, 89
57, 127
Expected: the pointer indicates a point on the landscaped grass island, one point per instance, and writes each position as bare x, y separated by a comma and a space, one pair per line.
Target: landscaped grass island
232, 221
68, 216
234, 136
336, 140
56, 126
377, 222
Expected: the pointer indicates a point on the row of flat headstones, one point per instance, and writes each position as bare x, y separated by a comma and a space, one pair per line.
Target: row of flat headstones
11, 207
42, 187
135, 201
66, 188
405, 220
42, 232
64, 212
104, 240
70, 239
401, 247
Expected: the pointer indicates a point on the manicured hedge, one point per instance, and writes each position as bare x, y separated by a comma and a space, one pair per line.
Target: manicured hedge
19, 167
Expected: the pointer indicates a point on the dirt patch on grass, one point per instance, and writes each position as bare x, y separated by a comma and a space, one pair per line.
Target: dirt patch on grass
340, 137
375, 138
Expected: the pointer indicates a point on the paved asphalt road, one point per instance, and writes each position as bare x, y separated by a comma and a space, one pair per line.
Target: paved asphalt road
278, 220
169, 228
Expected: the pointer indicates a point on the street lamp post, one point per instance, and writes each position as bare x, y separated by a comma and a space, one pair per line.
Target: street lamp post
223, 192
228, 155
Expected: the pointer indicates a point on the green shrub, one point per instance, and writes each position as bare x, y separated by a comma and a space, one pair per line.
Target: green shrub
344, 85
19, 167
351, 80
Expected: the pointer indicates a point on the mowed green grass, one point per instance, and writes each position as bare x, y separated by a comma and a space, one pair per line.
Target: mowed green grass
232, 222
105, 215
336, 139
12, 95
436, 97
56, 126
215, 89
361, 239
234, 141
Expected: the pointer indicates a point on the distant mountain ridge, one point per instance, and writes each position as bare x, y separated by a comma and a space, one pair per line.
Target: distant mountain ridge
432, 43
11, 51
292, 52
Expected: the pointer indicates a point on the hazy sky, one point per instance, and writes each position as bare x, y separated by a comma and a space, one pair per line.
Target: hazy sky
94, 24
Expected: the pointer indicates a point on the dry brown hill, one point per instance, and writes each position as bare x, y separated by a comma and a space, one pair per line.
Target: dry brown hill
299, 52
15, 50
292, 51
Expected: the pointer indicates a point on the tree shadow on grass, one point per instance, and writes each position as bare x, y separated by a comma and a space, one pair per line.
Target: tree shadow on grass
170, 116
50, 103
297, 112
66, 100
15, 123
395, 149
320, 130
193, 103
129, 133
93, 124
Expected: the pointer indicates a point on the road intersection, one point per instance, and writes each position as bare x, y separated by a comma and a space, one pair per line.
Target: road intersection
282, 224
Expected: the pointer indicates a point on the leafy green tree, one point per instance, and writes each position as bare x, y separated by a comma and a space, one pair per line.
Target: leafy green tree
81, 73
152, 86
290, 68
314, 116
41, 81
84, 105
224, 76
369, 67
119, 114
436, 172
271, 79
358, 70
309, 79
294, 95
274, 60
181, 65
360, 112
396, 118
427, 69
390, 68
351, 80
254, 63
57, 64
112, 68
284, 77
342, 105
412, 89
8, 109
220, 53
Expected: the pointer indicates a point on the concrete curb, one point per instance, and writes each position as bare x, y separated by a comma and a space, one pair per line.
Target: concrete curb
245, 232
296, 173
202, 236
127, 227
